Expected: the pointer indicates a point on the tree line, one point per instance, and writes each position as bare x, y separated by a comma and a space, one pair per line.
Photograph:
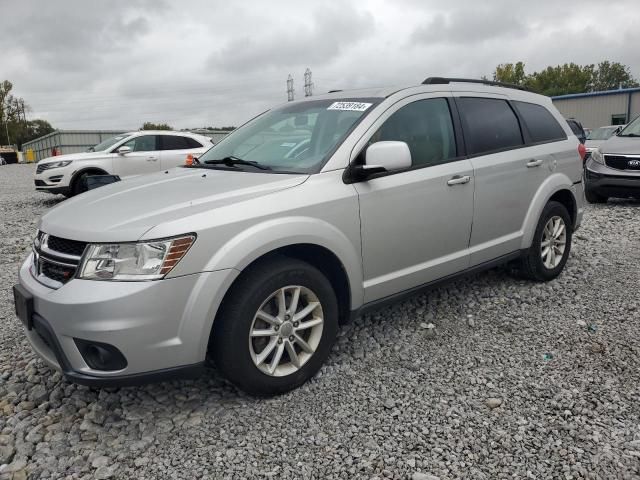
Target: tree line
567, 78
15, 129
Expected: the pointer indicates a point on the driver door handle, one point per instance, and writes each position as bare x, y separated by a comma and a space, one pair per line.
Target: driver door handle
152, 159
459, 180
534, 163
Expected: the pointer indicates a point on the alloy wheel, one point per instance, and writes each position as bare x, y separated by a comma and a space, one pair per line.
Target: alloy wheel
554, 240
286, 330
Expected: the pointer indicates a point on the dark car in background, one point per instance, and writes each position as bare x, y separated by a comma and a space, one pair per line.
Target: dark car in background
577, 129
613, 169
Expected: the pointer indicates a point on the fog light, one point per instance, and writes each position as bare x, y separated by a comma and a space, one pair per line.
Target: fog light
101, 356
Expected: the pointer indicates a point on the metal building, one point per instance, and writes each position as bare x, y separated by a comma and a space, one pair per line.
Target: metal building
597, 109
62, 142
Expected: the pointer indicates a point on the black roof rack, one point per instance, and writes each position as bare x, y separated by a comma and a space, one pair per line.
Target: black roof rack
334, 91
444, 80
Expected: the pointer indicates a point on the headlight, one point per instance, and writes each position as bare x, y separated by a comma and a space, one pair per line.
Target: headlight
62, 163
596, 156
134, 261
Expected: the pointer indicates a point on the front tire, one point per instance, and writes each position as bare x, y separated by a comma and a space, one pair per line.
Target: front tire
79, 185
549, 251
276, 327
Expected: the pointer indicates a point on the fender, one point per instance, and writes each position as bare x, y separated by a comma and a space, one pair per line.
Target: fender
553, 184
84, 169
249, 245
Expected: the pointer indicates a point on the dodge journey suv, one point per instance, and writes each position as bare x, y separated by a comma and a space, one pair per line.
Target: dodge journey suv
310, 214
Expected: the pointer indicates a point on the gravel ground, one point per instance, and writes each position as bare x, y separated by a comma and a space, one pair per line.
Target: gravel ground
489, 377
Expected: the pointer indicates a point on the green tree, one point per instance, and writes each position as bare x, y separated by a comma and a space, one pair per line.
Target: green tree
510, 73
561, 79
156, 126
612, 75
567, 78
30, 130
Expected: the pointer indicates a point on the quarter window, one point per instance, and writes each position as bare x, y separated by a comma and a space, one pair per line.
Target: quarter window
489, 125
542, 126
426, 127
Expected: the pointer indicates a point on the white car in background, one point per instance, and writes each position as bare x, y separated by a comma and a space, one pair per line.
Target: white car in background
125, 155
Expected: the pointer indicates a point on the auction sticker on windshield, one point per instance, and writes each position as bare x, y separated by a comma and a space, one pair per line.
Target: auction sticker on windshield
349, 106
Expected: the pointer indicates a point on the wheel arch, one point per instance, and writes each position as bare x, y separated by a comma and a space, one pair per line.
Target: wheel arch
556, 188
90, 169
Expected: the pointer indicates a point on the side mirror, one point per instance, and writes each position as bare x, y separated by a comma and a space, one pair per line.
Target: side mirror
124, 150
382, 157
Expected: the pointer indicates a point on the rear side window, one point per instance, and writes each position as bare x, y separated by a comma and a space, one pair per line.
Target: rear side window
174, 142
489, 125
542, 126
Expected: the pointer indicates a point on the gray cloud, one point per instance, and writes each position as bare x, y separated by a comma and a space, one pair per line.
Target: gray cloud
116, 64
469, 27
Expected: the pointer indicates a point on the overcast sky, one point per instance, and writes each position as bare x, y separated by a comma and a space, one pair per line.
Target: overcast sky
88, 64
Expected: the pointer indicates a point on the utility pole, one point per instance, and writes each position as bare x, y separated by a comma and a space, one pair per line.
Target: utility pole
290, 88
308, 84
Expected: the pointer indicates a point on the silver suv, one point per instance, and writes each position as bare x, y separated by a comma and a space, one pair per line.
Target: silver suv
310, 214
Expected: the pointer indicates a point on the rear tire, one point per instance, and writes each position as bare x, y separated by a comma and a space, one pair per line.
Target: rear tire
593, 197
241, 336
549, 251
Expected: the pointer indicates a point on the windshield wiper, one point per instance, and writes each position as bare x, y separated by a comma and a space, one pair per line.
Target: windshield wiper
233, 161
629, 135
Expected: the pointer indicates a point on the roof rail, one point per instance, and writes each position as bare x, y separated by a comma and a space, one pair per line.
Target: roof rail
444, 80
334, 91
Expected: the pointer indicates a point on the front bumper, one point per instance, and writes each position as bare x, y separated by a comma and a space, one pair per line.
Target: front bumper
610, 182
161, 327
55, 180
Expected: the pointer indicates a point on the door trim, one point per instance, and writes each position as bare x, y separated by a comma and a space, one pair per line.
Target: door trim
397, 297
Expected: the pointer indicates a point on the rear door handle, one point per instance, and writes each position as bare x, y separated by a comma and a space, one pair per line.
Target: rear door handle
534, 163
152, 159
459, 180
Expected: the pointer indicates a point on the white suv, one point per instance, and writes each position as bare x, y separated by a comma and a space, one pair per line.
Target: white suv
125, 155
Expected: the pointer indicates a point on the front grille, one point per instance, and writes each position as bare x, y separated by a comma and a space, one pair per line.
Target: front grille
69, 247
622, 162
56, 259
42, 167
56, 272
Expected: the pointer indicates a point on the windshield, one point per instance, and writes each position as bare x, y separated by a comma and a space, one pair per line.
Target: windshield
295, 138
602, 133
101, 147
631, 130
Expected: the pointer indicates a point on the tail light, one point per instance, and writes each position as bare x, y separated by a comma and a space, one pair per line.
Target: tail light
582, 151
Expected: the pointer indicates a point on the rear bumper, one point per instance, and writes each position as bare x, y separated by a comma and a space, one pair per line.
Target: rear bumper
610, 182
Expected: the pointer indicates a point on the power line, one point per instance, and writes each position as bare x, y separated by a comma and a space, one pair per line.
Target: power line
290, 91
308, 84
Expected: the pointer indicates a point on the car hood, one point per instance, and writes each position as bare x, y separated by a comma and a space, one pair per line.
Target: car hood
125, 210
73, 156
593, 143
623, 145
